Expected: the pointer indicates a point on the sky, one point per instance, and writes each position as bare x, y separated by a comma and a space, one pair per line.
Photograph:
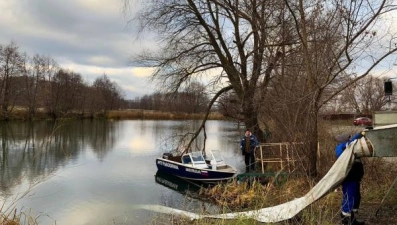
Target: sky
89, 37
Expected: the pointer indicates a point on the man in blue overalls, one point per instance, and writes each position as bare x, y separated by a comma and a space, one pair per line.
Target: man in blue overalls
351, 184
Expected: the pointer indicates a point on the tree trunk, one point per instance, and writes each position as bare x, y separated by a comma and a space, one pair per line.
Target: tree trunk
251, 118
312, 143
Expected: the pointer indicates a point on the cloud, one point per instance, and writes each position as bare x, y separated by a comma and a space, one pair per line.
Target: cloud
133, 80
89, 37
143, 71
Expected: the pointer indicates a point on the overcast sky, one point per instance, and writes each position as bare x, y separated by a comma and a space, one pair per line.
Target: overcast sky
89, 37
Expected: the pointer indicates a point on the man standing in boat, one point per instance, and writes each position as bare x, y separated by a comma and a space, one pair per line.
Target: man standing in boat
248, 145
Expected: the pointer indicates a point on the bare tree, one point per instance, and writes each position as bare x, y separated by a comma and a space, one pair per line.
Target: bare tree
365, 96
35, 73
11, 62
197, 98
371, 95
229, 106
108, 93
260, 47
237, 42
337, 38
65, 93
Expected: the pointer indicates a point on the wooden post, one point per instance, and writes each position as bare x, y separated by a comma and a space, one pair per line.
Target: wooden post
263, 168
288, 159
281, 156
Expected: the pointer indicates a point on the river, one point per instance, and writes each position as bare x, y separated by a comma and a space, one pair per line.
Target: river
96, 172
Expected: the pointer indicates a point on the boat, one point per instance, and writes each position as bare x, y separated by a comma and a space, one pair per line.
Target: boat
193, 166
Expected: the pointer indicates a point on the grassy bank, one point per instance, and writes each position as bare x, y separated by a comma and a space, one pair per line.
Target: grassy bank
130, 114
158, 115
238, 197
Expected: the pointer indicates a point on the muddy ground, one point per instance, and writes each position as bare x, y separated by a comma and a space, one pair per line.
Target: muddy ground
386, 215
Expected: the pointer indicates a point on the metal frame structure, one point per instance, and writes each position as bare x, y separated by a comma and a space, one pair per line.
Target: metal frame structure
286, 156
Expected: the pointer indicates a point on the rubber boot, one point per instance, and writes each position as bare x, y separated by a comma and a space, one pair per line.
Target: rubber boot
345, 219
351, 220
355, 221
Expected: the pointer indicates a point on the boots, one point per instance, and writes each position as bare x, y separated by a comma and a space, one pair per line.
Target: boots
351, 220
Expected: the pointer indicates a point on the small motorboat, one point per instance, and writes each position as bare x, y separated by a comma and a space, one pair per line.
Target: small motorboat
193, 166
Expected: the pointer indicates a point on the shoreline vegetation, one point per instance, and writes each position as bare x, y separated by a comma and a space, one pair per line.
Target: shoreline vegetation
159, 115
126, 114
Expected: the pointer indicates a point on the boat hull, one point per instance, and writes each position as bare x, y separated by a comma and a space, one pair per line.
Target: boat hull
190, 173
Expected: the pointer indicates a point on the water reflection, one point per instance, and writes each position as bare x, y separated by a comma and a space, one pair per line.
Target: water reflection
32, 150
177, 184
94, 172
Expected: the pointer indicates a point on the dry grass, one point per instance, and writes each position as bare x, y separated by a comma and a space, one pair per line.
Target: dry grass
16, 218
158, 115
234, 196
21, 113
253, 193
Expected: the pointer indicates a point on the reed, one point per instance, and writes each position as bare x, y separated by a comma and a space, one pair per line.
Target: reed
11, 216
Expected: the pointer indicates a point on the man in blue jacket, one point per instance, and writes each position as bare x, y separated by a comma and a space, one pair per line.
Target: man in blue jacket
351, 184
248, 144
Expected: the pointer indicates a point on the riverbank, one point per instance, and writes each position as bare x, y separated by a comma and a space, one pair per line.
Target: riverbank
159, 115
241, 197
127, 114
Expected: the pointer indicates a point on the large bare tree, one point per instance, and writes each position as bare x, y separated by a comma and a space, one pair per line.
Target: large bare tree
256, 47
236, 42
337, 39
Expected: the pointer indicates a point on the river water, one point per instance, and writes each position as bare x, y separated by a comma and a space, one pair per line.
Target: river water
96, 172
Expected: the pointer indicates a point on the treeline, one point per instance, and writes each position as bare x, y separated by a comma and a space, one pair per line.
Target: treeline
192, 99
36, 86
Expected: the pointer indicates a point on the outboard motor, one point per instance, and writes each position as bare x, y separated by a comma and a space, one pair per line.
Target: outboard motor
167, 155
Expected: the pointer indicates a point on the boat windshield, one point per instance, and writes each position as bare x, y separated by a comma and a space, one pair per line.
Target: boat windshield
197, 157
216, 154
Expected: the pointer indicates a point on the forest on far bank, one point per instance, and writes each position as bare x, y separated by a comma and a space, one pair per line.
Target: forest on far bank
33, 87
